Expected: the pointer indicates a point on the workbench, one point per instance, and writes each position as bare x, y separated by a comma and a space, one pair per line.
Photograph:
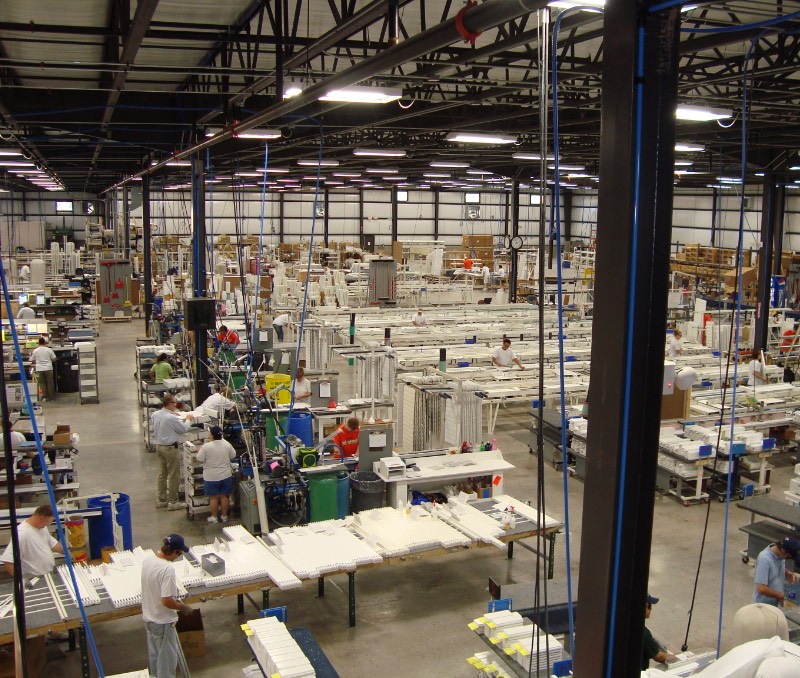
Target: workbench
311, 649
761, 534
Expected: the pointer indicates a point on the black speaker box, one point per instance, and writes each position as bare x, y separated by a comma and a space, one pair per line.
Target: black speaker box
200, 314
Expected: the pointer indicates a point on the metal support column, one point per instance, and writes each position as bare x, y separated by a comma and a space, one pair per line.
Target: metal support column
765, 258
199, 272
777, 229
147, 273
394, 215
435, 213
126, 221
280, 218
512, 274
633, 246
326, 204
507, 216
566, 214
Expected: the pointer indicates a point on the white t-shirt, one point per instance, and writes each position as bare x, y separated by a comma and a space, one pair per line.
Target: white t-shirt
752, 368
504, 356
302, 387
26, 313
281, 321
215, 456
487, 273
36, 549
419, 319
216, 400
43, 358
25, 273
158, 581
675, 346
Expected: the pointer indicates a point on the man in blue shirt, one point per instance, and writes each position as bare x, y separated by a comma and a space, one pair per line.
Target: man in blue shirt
771, 571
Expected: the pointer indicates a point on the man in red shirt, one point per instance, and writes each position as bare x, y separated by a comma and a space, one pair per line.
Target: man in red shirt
227, 338
346, 437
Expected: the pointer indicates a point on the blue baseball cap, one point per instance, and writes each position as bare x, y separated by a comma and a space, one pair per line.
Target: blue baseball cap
651, 600
175, 543
792, 547
216, 431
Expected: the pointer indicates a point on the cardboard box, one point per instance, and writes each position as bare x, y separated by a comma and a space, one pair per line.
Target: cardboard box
191, 634
37, 658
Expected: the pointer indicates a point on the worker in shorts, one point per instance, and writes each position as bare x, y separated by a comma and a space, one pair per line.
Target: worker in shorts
215, 456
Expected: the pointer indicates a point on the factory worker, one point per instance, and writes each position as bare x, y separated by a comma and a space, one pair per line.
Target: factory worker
215, 456
26, 312
36, 545
227, 338
167, 430
42, 359
346, 437
771, 571
161, 369
279, 322
788, 339
219, 399
487, 276
24, 274
160, 606
503, 356
755, 370
676, 344
419, 320
650, 648
301, 385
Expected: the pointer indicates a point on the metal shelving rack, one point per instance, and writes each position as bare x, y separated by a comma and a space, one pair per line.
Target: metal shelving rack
88, 378
193, 484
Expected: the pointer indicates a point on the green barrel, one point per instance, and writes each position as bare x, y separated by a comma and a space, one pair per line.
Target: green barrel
323, 497
271, 431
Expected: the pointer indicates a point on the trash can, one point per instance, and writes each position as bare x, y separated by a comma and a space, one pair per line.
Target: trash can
342, 494
367, 491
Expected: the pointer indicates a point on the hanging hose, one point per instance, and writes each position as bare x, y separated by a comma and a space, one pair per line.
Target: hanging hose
46, 476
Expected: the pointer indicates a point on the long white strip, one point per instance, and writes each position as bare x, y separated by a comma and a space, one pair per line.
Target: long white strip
470, 521
89, 594
259, 552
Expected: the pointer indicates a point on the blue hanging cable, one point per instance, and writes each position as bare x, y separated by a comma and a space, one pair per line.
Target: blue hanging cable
48, 483
739, 262
555, 225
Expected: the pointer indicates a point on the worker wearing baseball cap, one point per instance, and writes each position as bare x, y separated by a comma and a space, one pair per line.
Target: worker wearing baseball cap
160, 606
650, 647
215, 456
771, 571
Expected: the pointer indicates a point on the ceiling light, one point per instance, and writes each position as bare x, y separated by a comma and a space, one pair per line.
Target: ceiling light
729, 180
292, 89
701, 113
274, 170
380, 152
568, 4
689, 148
567, 168
472, 171
9, 152
16, 163
530, 156
382, 170
684, 163
437, 175
578, 175
175, 163
329, 182
318, 163
688, 8
364, 95
248, 174
394, 178
795, 167
759, 174
347, 174
475, 138
454, 165
258, 134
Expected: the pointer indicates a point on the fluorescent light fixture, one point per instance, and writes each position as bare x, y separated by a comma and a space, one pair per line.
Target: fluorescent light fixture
394, 178
688, 8
585, 6
795, 167
759, 174
578, 175
382, 170
259, 134
689, 148
480, 172
32, 172
364, 95
292, 89
247, 174
475, 180
175, 163
476, 138
684, 163
729, 180
329, 182
318, 163
309, 177
454, 165
729, 186
274, 170
567, 168
362, 181
16, 163
347, 174
701, 113
530, 156
437, 175
380, 152
9, 152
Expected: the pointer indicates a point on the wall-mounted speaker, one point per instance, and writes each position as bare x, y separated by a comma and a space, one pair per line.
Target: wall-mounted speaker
200, 314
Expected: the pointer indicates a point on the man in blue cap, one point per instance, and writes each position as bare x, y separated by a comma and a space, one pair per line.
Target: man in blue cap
160, 606
771, 571
650, 648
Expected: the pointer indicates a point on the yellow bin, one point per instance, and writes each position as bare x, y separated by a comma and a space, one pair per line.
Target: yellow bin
275, 380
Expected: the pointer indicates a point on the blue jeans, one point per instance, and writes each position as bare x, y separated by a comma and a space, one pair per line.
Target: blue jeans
162, 649
279, 331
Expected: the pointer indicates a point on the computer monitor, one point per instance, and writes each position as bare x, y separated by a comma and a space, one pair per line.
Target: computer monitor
41, 300
23, 298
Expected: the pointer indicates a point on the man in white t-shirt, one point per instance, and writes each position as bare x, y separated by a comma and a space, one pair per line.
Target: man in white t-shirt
503, 356
24, 274
487, 276
676, 344
419, 320
302, 386
36, 545
160, 606
755, 370
26, 312
42, 359
215, 456
279, 323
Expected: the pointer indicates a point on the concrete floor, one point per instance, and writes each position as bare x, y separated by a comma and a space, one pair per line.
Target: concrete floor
410, 616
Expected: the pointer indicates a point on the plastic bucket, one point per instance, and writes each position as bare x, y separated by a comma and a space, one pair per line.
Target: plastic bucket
276, 379
76, 538
301, 424
323, 499
343, 494
101, 528
271, 431
367, 491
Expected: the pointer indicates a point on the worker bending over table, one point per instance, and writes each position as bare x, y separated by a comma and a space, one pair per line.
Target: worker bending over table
36, 545
504, 356
771, 571
419, 320
279, 323
160, 607
346, 437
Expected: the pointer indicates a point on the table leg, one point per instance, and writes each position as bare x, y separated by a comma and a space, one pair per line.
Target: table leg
351, 586
72, 641
510, 550
84, 652
264, 599
240, 604
551, 558
321, 587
